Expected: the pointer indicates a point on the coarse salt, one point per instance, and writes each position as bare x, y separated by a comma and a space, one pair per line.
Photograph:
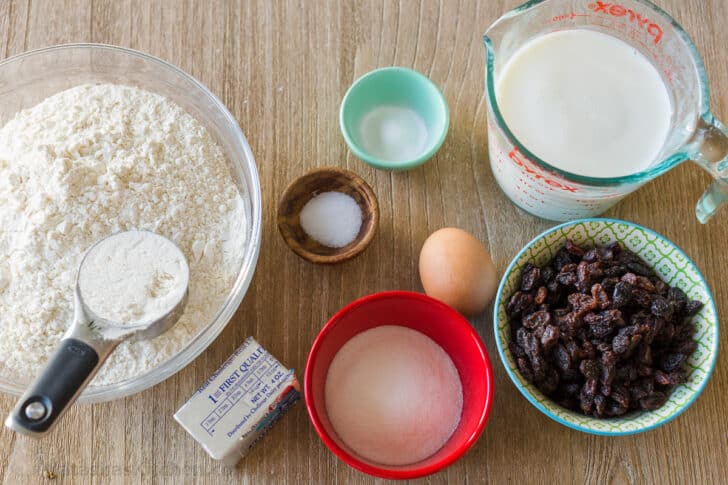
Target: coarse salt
332, 218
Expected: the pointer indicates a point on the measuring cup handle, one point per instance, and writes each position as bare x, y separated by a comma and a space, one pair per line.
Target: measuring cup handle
710, 151
69, 369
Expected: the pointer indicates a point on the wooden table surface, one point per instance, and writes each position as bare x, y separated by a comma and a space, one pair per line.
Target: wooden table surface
282, 68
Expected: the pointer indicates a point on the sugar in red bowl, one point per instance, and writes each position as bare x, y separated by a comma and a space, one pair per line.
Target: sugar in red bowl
442, 324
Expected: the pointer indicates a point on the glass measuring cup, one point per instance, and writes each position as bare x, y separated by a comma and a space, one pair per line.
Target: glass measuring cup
695, 134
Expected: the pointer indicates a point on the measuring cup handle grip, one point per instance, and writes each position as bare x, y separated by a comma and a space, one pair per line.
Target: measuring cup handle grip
710, 150
69, 369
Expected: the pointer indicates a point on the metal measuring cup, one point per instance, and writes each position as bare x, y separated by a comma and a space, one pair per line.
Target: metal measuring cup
81, 353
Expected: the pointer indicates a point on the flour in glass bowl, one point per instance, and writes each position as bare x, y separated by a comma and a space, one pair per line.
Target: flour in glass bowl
92, 161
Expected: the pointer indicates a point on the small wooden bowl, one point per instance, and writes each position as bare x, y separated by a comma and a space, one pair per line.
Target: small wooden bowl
308, 186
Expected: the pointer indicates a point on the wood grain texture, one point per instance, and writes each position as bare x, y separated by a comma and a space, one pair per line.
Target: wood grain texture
282, 68
316, 182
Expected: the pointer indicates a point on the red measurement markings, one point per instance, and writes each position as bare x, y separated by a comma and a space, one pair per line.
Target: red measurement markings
537, 173
616, 10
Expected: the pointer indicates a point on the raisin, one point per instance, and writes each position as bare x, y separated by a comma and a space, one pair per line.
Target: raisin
553, 286
541, 295
620, 344
661, 287
630, 278
519, 303
572, 375
550, 337
693, 307
604, 347
616, 270
600, 405
536, 319
660, 308
679, 298
622, 294
672, 362
586, 403
642, 297
686, 347
572, 388
547, 273
600, 295
645, 370
582, 304
606, 253
668, 379
645, 284
567, 276
609, 283
609, 358
524, 368
591, 256
561, 259
530, 278
609, 372
600, 328
591, 387
644, 354
653, 401
573, 249
621, 397
639, 269
562, 359
516, 350
527, 341
569, 324
590, 369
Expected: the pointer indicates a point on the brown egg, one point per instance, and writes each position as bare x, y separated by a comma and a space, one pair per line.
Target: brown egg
456, 269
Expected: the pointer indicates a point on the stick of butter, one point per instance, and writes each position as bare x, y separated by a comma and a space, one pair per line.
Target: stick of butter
239, 403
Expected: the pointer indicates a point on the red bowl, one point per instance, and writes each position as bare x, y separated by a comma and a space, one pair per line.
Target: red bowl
439, 322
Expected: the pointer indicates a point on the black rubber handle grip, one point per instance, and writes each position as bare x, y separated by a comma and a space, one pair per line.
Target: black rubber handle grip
66, 373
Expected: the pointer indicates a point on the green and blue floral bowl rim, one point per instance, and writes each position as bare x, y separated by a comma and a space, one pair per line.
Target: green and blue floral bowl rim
677, 269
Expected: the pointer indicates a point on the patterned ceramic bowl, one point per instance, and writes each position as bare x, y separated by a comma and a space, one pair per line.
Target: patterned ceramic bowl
671, 264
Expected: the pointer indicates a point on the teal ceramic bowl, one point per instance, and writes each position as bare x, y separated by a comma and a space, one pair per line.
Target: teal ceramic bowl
671, 264
396, 87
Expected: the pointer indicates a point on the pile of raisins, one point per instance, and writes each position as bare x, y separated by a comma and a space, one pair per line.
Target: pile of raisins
599, 333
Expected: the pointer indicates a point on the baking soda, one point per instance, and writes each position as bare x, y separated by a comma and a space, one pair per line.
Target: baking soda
393, 133
393, 395
332, 218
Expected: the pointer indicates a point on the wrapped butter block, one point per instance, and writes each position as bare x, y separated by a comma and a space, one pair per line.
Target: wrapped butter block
239, 402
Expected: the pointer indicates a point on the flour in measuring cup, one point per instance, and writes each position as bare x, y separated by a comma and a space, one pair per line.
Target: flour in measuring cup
585, 102
89, 162
133, 278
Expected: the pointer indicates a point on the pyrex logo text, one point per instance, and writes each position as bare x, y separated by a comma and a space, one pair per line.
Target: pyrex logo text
526, 165
617, 10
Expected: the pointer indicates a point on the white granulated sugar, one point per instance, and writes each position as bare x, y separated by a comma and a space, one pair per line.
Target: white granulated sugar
89, 162
332, 218
133, 278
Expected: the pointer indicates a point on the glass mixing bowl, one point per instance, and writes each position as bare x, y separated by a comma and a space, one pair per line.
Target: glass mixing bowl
29, 78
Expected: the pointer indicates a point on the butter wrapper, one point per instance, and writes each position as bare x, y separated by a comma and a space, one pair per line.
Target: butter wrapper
240, 402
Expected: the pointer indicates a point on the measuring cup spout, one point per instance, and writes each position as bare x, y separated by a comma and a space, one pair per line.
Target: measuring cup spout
710, 151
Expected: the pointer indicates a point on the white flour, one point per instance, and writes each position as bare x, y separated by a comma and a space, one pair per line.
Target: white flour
133, 278
89, 162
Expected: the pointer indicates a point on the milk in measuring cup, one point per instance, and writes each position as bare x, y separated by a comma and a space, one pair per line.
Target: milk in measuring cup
585, 102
